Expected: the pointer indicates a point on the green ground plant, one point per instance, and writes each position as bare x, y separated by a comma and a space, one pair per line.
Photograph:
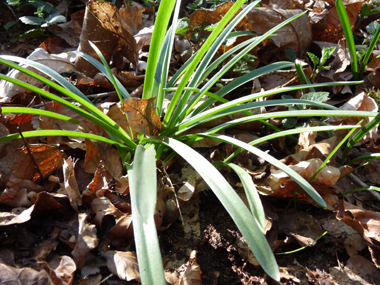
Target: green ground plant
191, 104
46, 16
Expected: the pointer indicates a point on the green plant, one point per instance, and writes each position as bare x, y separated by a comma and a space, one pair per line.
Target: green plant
149, 139
343, 17
318, 64
46, 16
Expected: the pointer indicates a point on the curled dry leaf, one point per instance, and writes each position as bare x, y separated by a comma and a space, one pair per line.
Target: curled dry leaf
142, 116
192, 275
97, 153
123, 264
117, 114
361, 102
61, 270
283, 186
353, 242
86, 240
358, 270
70, 183
132, 19
98, 185
19, 216
50, 123
103, 27
122, 227
366, 223
304, 228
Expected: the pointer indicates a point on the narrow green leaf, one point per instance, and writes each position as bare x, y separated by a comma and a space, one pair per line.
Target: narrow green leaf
231, 201
24, 110
6, 59
368, 53
110, 76
290, 132
103, 70
160, 26
104, 122
190, 69
58, 133
253, 196
360, 134
345, 22
292, 174
142, 179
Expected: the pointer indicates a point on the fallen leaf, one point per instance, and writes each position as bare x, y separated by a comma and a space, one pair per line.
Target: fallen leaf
121, 227
366, 223
70, 183
192, 275
87, 240
123, 264
142, 116
97, 153
102, 26
326, 25
26, 275
61, 270
60, 63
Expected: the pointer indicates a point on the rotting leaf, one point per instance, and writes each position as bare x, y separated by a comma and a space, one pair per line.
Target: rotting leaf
142, 116
123, 264
86, 241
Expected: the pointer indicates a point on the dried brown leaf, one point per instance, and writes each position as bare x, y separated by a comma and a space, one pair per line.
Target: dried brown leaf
61, 270
142, 116
70, 183
26, 275
97, 152
123, 264
122, 225
86, 241
102, 26
326, 25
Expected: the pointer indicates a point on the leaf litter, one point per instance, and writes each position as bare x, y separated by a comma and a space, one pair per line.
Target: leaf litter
64, 206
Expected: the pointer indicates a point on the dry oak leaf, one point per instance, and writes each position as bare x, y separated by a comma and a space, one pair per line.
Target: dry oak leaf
102, 26
123, 264
142, 116
366, 223
70, 183
86, 241
27, 275
326, 25
61, 270
48, 158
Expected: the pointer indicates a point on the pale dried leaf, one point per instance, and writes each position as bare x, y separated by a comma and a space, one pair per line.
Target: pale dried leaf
86, 240
123, 264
